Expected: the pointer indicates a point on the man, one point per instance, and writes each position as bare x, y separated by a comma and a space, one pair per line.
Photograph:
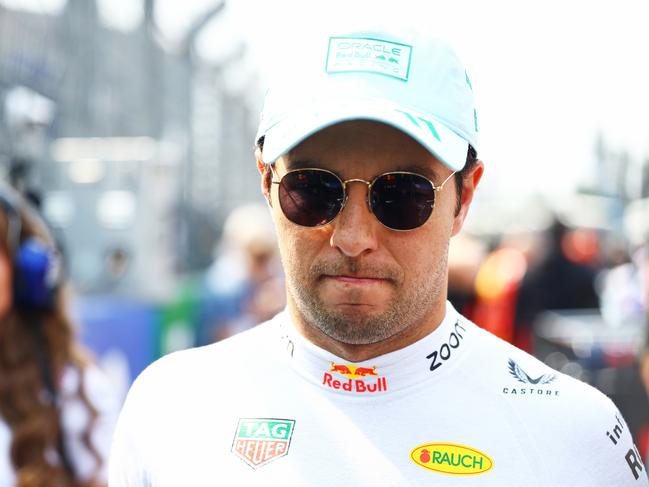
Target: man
366, 150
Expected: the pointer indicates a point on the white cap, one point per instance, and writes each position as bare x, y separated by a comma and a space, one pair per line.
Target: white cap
413, 82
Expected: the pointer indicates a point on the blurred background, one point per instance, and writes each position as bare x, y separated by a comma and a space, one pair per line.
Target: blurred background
131, 123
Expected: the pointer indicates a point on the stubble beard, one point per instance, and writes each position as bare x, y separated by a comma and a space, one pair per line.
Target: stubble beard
408, 308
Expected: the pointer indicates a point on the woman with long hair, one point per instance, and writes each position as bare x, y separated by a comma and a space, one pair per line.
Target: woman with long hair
56, 409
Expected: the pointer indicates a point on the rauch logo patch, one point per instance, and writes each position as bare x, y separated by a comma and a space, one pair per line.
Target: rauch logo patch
354, 379
259, 441
451, 459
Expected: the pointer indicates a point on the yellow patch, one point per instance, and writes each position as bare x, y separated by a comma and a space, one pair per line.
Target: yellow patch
451, 459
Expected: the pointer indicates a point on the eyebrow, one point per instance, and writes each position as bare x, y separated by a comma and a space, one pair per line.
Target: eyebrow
302, 163
427, 172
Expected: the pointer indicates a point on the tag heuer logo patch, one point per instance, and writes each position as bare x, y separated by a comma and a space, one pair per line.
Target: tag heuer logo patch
259, 441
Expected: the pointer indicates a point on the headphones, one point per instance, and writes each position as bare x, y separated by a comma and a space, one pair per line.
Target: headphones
37, 269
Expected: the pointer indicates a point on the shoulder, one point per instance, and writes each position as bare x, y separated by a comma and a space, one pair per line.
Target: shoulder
237, 348
191, 384
185, 369
545, 400
570, 426
520, 374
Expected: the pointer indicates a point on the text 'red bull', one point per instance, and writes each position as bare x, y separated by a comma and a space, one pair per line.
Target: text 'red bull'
357, 379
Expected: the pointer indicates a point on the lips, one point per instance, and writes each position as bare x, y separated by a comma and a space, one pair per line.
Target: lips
346, 283
353, 272
356, 279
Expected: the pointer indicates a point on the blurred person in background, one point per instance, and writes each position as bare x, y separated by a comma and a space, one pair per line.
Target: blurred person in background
56, 409
624, 288
497, 285
643, 272
465, 257
561, 278
643, 284
244, 286
116, 264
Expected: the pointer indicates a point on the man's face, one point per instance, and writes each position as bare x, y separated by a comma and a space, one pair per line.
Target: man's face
354, 280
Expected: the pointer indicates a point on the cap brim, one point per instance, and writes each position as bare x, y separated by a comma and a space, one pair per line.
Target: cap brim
446, 145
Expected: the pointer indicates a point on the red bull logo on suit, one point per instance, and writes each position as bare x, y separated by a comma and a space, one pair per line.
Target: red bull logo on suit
354, 379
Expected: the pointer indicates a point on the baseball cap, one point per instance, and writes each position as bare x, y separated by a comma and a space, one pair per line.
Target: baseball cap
410, 80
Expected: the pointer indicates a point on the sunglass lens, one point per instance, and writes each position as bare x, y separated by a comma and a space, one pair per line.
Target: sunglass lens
402, 201
310, 197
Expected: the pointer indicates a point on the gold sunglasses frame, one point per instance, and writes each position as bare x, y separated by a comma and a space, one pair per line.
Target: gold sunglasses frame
369, 184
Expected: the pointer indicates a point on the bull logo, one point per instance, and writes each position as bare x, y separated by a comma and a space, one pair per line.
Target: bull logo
340, 368
363, 371
353, 371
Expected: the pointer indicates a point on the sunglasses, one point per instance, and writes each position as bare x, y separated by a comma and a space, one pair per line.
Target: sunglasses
399, 200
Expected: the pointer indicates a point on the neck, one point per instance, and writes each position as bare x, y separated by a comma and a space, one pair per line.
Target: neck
362, 352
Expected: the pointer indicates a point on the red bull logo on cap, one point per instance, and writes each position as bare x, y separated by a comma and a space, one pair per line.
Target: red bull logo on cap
355, 379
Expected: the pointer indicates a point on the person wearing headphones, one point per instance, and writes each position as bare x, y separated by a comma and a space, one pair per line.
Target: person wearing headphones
57, 410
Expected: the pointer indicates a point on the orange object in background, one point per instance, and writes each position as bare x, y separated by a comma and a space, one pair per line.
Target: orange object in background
496, 286
581, 246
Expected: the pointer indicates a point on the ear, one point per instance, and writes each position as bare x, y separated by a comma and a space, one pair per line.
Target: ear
266, 177
469, 185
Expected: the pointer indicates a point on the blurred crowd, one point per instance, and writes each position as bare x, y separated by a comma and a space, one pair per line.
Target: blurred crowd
506, 285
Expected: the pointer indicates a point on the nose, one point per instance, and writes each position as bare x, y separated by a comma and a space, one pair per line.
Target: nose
355, 228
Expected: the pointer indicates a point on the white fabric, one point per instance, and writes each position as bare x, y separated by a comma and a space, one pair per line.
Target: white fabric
539, 427
75, 419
